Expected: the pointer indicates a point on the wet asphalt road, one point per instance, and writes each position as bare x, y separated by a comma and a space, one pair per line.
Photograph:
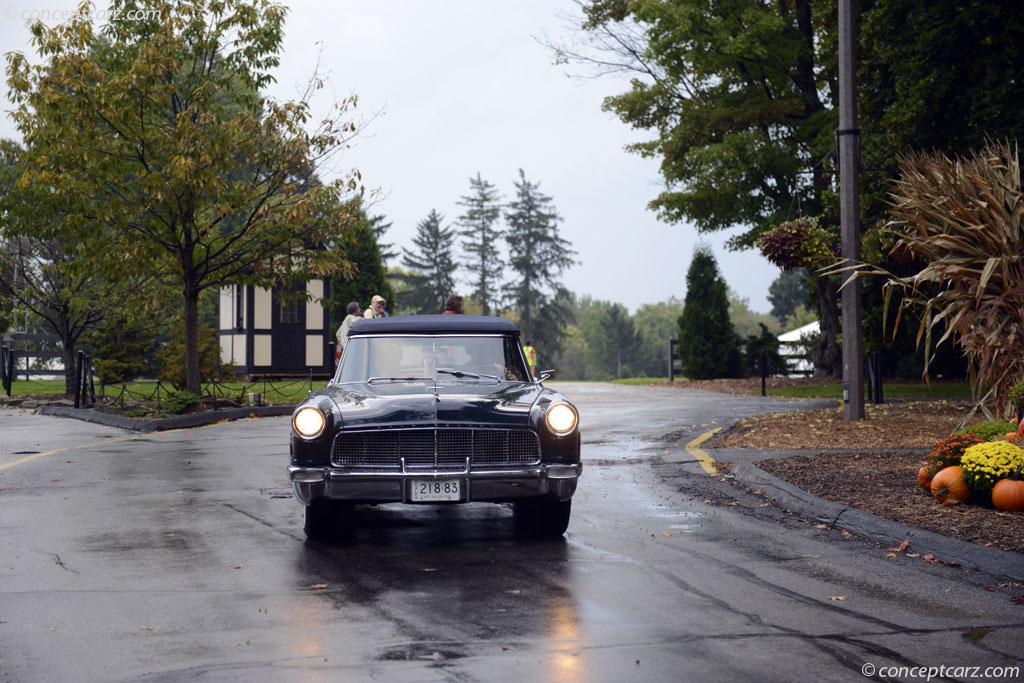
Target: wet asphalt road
180, 557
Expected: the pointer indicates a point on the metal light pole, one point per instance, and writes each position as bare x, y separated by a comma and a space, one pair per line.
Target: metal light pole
849, 213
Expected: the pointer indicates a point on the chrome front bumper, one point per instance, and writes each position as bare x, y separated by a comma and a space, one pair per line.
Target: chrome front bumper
547, 480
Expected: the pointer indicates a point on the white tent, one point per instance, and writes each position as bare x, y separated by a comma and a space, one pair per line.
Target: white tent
789, 346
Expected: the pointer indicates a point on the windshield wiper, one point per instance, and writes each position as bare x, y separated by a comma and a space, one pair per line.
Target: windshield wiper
460, 374
374, 380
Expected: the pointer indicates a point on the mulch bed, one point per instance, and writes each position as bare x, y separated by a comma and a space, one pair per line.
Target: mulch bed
885, 484
881, 478
912, 424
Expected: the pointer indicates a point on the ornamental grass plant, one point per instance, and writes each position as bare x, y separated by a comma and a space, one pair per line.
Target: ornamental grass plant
961, 221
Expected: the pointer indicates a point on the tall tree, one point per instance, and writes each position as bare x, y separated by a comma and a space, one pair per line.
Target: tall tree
932, 76
708, 345
538, 255
656, 324
160, 123
935, 75
589, 315
369, 277
380, 228
622, 341
47, 272
432, 265
787, 292
738, 95
483, 209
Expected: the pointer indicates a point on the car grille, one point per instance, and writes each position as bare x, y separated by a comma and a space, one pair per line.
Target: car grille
437, 449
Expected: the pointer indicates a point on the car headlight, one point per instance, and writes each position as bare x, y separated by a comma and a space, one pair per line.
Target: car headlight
561, 418
309, 422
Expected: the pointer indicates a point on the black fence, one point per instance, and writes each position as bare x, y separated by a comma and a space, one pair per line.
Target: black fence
22, 344
872, 370
7, 358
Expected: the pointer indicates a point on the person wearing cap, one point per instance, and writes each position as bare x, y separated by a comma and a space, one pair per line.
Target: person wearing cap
376, 308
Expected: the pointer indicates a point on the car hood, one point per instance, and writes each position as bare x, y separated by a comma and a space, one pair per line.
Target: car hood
405, 404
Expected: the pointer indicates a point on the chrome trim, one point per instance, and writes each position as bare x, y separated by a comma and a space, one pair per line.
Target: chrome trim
477, 459
391, 486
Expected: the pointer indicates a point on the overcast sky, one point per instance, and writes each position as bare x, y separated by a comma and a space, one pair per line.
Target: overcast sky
464, 86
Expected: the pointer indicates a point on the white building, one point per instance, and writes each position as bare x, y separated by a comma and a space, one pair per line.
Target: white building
789, 346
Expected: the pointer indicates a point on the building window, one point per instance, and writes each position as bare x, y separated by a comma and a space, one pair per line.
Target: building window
289, 313
239, 307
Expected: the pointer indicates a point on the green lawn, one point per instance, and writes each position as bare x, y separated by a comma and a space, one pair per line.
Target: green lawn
894, 390
291, 391
640, 380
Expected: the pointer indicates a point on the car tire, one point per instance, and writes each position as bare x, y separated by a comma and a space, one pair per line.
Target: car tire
322, 519
542, 518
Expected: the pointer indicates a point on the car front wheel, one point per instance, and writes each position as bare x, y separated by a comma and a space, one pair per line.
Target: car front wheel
323, 518
543, 518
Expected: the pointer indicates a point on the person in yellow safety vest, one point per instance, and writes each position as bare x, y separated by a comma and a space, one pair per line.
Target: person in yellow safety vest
531, 358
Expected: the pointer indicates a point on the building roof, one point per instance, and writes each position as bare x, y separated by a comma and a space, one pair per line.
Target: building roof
794, 335
435, 324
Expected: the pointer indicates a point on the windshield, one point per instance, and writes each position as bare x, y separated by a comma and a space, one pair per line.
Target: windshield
455, 358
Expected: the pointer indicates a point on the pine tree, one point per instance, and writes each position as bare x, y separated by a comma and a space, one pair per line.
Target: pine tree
787, 292
370, 277
433, 276
621, 340
386, 249
481, 244
708, 345
538, 256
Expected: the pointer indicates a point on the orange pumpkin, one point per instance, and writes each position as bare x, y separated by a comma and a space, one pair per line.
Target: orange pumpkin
924, 479
1008, 494
948, 486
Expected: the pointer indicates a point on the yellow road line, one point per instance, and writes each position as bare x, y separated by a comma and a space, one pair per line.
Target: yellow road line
35, 456
705, 460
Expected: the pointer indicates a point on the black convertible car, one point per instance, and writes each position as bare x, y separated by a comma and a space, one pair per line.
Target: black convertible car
435, 409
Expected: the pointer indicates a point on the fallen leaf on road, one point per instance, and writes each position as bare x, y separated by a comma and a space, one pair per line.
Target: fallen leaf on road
929, 558
237, 566
666, 533
845, 532
892, 555
318, 585
820, 526
903, 546
837, 597
1018, 600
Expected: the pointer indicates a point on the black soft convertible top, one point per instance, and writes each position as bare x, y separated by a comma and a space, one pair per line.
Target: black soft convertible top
435, 324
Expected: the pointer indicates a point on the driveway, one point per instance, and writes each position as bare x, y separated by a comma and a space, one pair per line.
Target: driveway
180, 556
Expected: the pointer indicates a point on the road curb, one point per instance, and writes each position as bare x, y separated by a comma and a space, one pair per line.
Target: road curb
948, 550
166, 423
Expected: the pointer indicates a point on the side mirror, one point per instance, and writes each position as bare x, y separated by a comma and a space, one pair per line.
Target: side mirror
546, 374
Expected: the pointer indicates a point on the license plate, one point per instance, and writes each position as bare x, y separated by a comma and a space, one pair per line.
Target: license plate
435, 490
